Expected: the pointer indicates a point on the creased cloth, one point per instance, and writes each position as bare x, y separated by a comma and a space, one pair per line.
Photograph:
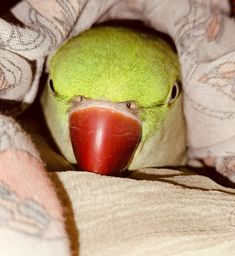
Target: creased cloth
163, 213
201, 30
31, 215
203, 34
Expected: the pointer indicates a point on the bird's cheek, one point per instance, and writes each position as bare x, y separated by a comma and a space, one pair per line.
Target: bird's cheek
103, 139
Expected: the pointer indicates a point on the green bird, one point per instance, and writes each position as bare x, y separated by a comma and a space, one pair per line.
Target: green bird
114, 101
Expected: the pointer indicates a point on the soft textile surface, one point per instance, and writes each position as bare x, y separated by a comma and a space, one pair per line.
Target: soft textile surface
169, 213
155, 217
31, 216
202, 34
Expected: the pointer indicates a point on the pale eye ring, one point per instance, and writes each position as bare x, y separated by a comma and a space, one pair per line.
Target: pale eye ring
175, 91
51, 85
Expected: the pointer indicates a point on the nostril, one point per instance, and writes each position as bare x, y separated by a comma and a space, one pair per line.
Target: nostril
131, 105
79, 98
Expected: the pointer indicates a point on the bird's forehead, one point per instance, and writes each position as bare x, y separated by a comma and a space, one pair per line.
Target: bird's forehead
114, 68
148, 88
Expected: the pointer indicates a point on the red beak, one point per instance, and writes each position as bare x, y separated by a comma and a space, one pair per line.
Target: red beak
103, 139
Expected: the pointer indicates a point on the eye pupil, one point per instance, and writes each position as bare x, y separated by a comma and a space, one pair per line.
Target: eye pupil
52, 86
174, 92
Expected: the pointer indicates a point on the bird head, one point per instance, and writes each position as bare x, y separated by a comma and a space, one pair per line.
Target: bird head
109, 90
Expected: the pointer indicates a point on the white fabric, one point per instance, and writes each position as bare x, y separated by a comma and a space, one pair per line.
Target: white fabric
169, 213
202, 32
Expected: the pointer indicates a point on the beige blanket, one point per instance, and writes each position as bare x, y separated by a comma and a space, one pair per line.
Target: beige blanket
156, 212
153, 212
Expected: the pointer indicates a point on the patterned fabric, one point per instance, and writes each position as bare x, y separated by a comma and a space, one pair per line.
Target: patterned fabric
31, 217
203, 34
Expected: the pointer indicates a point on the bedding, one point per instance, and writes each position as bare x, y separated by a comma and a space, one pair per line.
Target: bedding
152, 211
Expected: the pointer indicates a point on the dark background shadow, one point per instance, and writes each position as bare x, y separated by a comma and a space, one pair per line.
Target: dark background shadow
6, 5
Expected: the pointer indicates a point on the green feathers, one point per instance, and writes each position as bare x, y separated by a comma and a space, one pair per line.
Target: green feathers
115, 64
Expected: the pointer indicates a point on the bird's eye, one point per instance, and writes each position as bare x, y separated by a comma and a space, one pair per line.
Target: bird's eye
174, 92
131, 105
51, 85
